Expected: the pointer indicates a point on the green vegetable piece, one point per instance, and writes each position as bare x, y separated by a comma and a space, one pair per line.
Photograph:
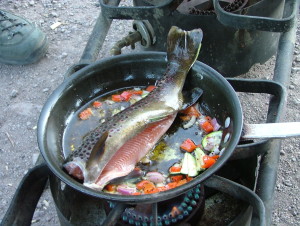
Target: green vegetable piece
192, 166
185, 166
189, 165
199, 159
212, 140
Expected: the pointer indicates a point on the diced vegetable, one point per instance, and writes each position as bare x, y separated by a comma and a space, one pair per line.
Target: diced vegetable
212, 140
171, 185
97, 104
155, 177
208, 161
191, 111
150, 88
185, 166
188, 145
175, 169
215, 124
125, 190
189, 165
199, 154
110, 187
116, 98
207, 127
190, 123
135, 92
176, 178
126, 96
85, 114
145, 185
181, 182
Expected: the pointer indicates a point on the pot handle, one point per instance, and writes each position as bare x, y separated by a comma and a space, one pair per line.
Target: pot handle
271, 130
240, 192
256, 22
26, 197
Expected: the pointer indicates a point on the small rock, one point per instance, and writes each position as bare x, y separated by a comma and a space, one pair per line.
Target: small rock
31, 3
14, 93
297, 59
53, 14
294, 212
63, 55
295, 69
291, 87
282, 152
287, 183
45, 90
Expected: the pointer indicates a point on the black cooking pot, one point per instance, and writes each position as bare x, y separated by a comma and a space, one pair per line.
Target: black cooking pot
218, 100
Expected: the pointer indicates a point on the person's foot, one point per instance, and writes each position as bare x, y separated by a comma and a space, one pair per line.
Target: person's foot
20, 41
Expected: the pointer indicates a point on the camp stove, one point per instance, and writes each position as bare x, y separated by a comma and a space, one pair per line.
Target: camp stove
241, 33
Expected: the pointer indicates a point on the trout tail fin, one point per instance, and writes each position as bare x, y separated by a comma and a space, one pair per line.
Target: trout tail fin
183, 47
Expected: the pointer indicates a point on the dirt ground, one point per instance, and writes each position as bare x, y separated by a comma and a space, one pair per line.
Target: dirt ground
24, 90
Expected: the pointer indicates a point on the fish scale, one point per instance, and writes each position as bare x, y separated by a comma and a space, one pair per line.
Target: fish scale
102, 144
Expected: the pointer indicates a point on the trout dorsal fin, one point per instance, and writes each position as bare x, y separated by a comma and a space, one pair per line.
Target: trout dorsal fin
184, 46
93, 170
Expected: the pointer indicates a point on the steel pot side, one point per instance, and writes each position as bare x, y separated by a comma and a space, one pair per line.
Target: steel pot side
129, 70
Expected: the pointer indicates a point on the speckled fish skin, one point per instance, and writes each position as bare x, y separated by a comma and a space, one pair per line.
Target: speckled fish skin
88, 162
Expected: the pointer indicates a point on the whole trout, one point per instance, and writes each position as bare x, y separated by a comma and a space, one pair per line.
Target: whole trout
115, 146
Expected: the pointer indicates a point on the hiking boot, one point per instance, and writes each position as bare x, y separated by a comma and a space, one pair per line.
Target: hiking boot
20, 41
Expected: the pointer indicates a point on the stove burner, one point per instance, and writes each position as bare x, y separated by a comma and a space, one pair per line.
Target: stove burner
174, 211
231, 7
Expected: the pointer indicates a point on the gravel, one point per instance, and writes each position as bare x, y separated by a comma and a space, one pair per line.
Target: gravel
24, 90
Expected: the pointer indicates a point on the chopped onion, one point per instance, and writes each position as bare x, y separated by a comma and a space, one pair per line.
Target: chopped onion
155, 177
190, 123
215, 151
125, 190
215, 124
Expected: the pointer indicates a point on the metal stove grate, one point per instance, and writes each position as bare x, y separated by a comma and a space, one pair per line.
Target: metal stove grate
268, 150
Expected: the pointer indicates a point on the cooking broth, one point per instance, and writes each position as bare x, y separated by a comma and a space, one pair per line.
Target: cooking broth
160, 159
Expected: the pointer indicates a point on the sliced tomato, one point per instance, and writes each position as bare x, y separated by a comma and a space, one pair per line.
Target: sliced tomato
188, 145
97, 104
191, 111
116, 98
208, 161
85, 114
181, 182
126, 95
150, 88
171, 185
175, 169
135, 92
110, 187
207, 127
176, 178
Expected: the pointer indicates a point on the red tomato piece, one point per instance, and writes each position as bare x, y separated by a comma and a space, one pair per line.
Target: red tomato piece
110, 187
191, 111
175, 169
207, 127
176, 178
150, 88
188, 145
116, 98
126, 95
208, 161
97, 104
85, 114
